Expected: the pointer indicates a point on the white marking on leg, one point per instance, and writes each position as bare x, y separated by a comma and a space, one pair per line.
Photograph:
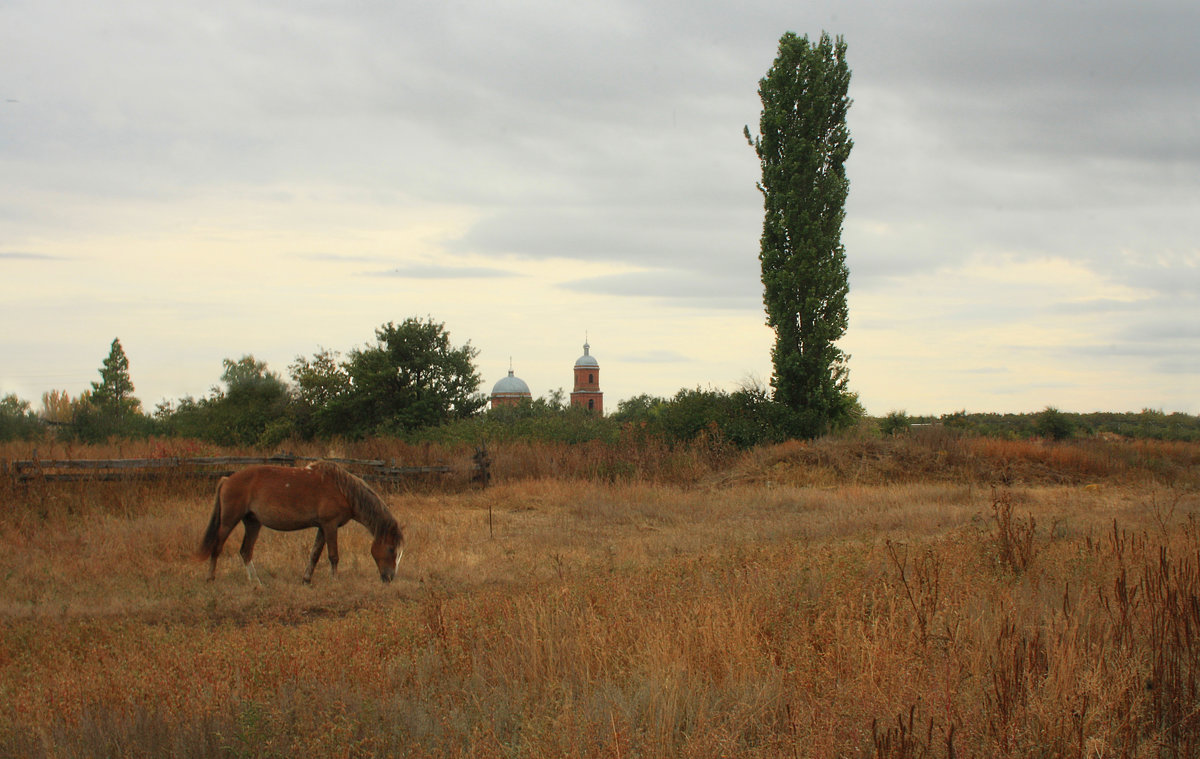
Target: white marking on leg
252, 573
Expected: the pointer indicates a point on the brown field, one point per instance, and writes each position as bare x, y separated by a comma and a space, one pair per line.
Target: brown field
929, 596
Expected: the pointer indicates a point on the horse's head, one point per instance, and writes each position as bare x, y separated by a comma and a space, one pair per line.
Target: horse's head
387, 550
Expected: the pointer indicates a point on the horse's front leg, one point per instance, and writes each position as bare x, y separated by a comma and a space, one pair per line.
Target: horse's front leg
331, 538
318, 546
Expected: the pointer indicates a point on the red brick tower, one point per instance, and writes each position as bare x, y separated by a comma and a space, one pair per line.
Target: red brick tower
587, 393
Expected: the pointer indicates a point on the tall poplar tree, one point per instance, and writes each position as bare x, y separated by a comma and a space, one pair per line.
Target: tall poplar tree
802, 145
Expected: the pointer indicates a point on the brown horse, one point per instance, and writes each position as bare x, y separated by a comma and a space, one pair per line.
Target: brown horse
321, 495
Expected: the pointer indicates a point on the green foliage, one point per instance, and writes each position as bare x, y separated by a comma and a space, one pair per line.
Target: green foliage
545, 419
253, 408
693, 412
802, 148
115, 388
895, 423
1148, 424
112, 410
1053, 424
17, 420
740, 419
411, 378
638, 408
743, 418
317, 383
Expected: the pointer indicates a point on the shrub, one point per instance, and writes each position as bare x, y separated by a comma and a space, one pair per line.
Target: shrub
1054, 424
17, 420
895, 423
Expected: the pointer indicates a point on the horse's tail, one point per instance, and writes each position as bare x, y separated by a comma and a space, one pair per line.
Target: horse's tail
209, 543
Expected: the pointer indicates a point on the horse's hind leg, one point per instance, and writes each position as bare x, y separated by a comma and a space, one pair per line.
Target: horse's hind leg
318, 546
252, 526
222, 534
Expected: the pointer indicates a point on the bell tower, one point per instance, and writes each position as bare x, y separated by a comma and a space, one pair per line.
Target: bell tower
586, 394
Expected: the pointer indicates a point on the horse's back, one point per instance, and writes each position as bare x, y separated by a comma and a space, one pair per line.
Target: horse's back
282, 498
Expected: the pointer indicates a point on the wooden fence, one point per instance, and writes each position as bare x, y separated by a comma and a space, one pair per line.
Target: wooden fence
108, 470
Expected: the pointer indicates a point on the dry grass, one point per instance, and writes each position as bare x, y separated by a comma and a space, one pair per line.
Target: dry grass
797, 602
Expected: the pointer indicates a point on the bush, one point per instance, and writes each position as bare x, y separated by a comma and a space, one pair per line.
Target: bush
895, 423
744, 418
17, 421
1054, 425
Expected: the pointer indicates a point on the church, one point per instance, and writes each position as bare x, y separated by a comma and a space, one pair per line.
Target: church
586, 393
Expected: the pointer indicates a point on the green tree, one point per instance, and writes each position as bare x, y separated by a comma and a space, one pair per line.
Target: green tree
802, 147
254, 408
895, 423
1053, 424
411, 378
744, 418
114, 391
17, 420
113, 409
319, 387
640, 409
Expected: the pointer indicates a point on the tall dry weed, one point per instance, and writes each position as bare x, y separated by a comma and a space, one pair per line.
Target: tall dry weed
1014, 537
921, 583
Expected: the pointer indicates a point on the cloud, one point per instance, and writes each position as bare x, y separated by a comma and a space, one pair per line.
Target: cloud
1183, 365
1097, 306
691, 288
442, 272
339, 258
982, 370
18, 256
655, 357
1023, 174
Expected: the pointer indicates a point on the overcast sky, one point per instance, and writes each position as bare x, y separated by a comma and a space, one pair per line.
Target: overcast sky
209, 180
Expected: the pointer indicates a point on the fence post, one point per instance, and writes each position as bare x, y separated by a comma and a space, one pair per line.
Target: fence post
483, 463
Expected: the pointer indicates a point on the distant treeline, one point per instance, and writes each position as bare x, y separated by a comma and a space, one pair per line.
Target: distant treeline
268, 413
413, 385
747, 417
409, 378
1058, 425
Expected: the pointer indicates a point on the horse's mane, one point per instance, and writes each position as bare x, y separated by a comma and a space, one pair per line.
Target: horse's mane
368, 507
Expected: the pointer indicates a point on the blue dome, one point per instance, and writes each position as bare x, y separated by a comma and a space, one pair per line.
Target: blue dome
587, 359
511, 385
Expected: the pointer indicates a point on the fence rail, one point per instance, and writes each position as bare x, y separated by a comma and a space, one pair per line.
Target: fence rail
108, 470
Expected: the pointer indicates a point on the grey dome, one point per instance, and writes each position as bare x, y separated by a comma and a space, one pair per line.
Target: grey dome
587, 359
511, 385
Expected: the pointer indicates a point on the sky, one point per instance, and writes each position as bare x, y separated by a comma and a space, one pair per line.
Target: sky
211, 180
